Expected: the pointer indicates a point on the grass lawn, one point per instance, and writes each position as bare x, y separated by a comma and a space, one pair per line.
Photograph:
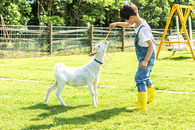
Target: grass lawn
22, 103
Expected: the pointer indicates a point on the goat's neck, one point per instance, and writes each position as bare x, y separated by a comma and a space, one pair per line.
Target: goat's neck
100, 56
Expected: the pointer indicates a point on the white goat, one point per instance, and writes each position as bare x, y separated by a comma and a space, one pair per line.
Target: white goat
79, 76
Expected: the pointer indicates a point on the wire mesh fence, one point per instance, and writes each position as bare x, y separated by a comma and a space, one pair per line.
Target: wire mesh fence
70, 40
25, 41
114, 38
17, 41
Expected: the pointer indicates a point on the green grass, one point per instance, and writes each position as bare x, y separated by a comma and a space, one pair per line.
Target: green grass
171, 73
22, 103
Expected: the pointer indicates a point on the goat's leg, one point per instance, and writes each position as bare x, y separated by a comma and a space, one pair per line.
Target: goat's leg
49, 90
90, 87
59, 91
95, 84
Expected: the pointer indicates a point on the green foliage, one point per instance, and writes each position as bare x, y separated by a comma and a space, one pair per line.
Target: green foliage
15, 13
85, 12
88, 20
77, 12
54, 20
155, 12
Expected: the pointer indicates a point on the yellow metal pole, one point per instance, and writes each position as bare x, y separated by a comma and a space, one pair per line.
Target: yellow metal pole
184, 6
185, 30
175, 42
166, 28
192, 8
185, 19
187, 37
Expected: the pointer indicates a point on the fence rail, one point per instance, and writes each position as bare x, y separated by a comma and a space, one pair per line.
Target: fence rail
57, 39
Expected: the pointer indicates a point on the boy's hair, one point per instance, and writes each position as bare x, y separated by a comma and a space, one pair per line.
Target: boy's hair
128, 10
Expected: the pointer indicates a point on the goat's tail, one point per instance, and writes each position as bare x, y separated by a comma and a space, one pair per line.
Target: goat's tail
59, 72
59, 66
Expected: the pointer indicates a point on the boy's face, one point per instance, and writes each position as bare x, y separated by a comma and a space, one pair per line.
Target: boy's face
130, 20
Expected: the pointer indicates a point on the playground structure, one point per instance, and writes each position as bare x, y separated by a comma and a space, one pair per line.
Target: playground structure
183, 18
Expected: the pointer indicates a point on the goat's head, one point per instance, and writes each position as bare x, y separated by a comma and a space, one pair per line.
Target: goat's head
100, 48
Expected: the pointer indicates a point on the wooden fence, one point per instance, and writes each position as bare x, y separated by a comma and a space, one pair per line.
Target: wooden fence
54, 38
51, 39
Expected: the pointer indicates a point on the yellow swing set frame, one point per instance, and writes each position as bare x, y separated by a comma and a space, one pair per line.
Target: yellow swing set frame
183, 19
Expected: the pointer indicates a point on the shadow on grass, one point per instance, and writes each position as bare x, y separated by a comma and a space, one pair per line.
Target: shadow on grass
53, 110
179, 58
82, 120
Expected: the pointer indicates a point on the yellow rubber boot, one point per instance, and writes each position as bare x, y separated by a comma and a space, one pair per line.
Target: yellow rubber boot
150, 94
141, 102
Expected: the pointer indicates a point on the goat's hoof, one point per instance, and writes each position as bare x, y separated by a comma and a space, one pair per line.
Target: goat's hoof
46, 101
64, 104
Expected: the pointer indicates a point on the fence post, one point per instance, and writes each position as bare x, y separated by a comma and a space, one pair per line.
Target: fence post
170, 33
91, 38
123, 39
50, 38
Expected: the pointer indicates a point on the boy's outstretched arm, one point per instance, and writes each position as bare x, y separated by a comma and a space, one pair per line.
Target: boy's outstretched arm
121, 24
144, 63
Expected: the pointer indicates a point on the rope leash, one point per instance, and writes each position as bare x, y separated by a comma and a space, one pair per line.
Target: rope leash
107, 35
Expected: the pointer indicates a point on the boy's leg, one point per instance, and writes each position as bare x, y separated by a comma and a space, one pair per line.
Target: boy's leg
150, 93
150, 87
140, 77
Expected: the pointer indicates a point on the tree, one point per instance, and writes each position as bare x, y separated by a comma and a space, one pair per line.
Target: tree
76, 12
84, 12
155, 12
15, 12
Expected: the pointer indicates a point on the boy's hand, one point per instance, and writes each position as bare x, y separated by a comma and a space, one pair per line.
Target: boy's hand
112, 25
143, 64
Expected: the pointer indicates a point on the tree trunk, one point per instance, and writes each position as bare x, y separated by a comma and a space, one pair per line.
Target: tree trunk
49, 7
64, 8
78, 12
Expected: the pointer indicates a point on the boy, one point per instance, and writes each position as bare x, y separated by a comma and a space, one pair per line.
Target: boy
145, 51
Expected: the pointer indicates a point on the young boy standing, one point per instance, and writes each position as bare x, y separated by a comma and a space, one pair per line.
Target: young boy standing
145, 51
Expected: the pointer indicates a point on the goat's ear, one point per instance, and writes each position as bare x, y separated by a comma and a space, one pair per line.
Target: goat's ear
93, 54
